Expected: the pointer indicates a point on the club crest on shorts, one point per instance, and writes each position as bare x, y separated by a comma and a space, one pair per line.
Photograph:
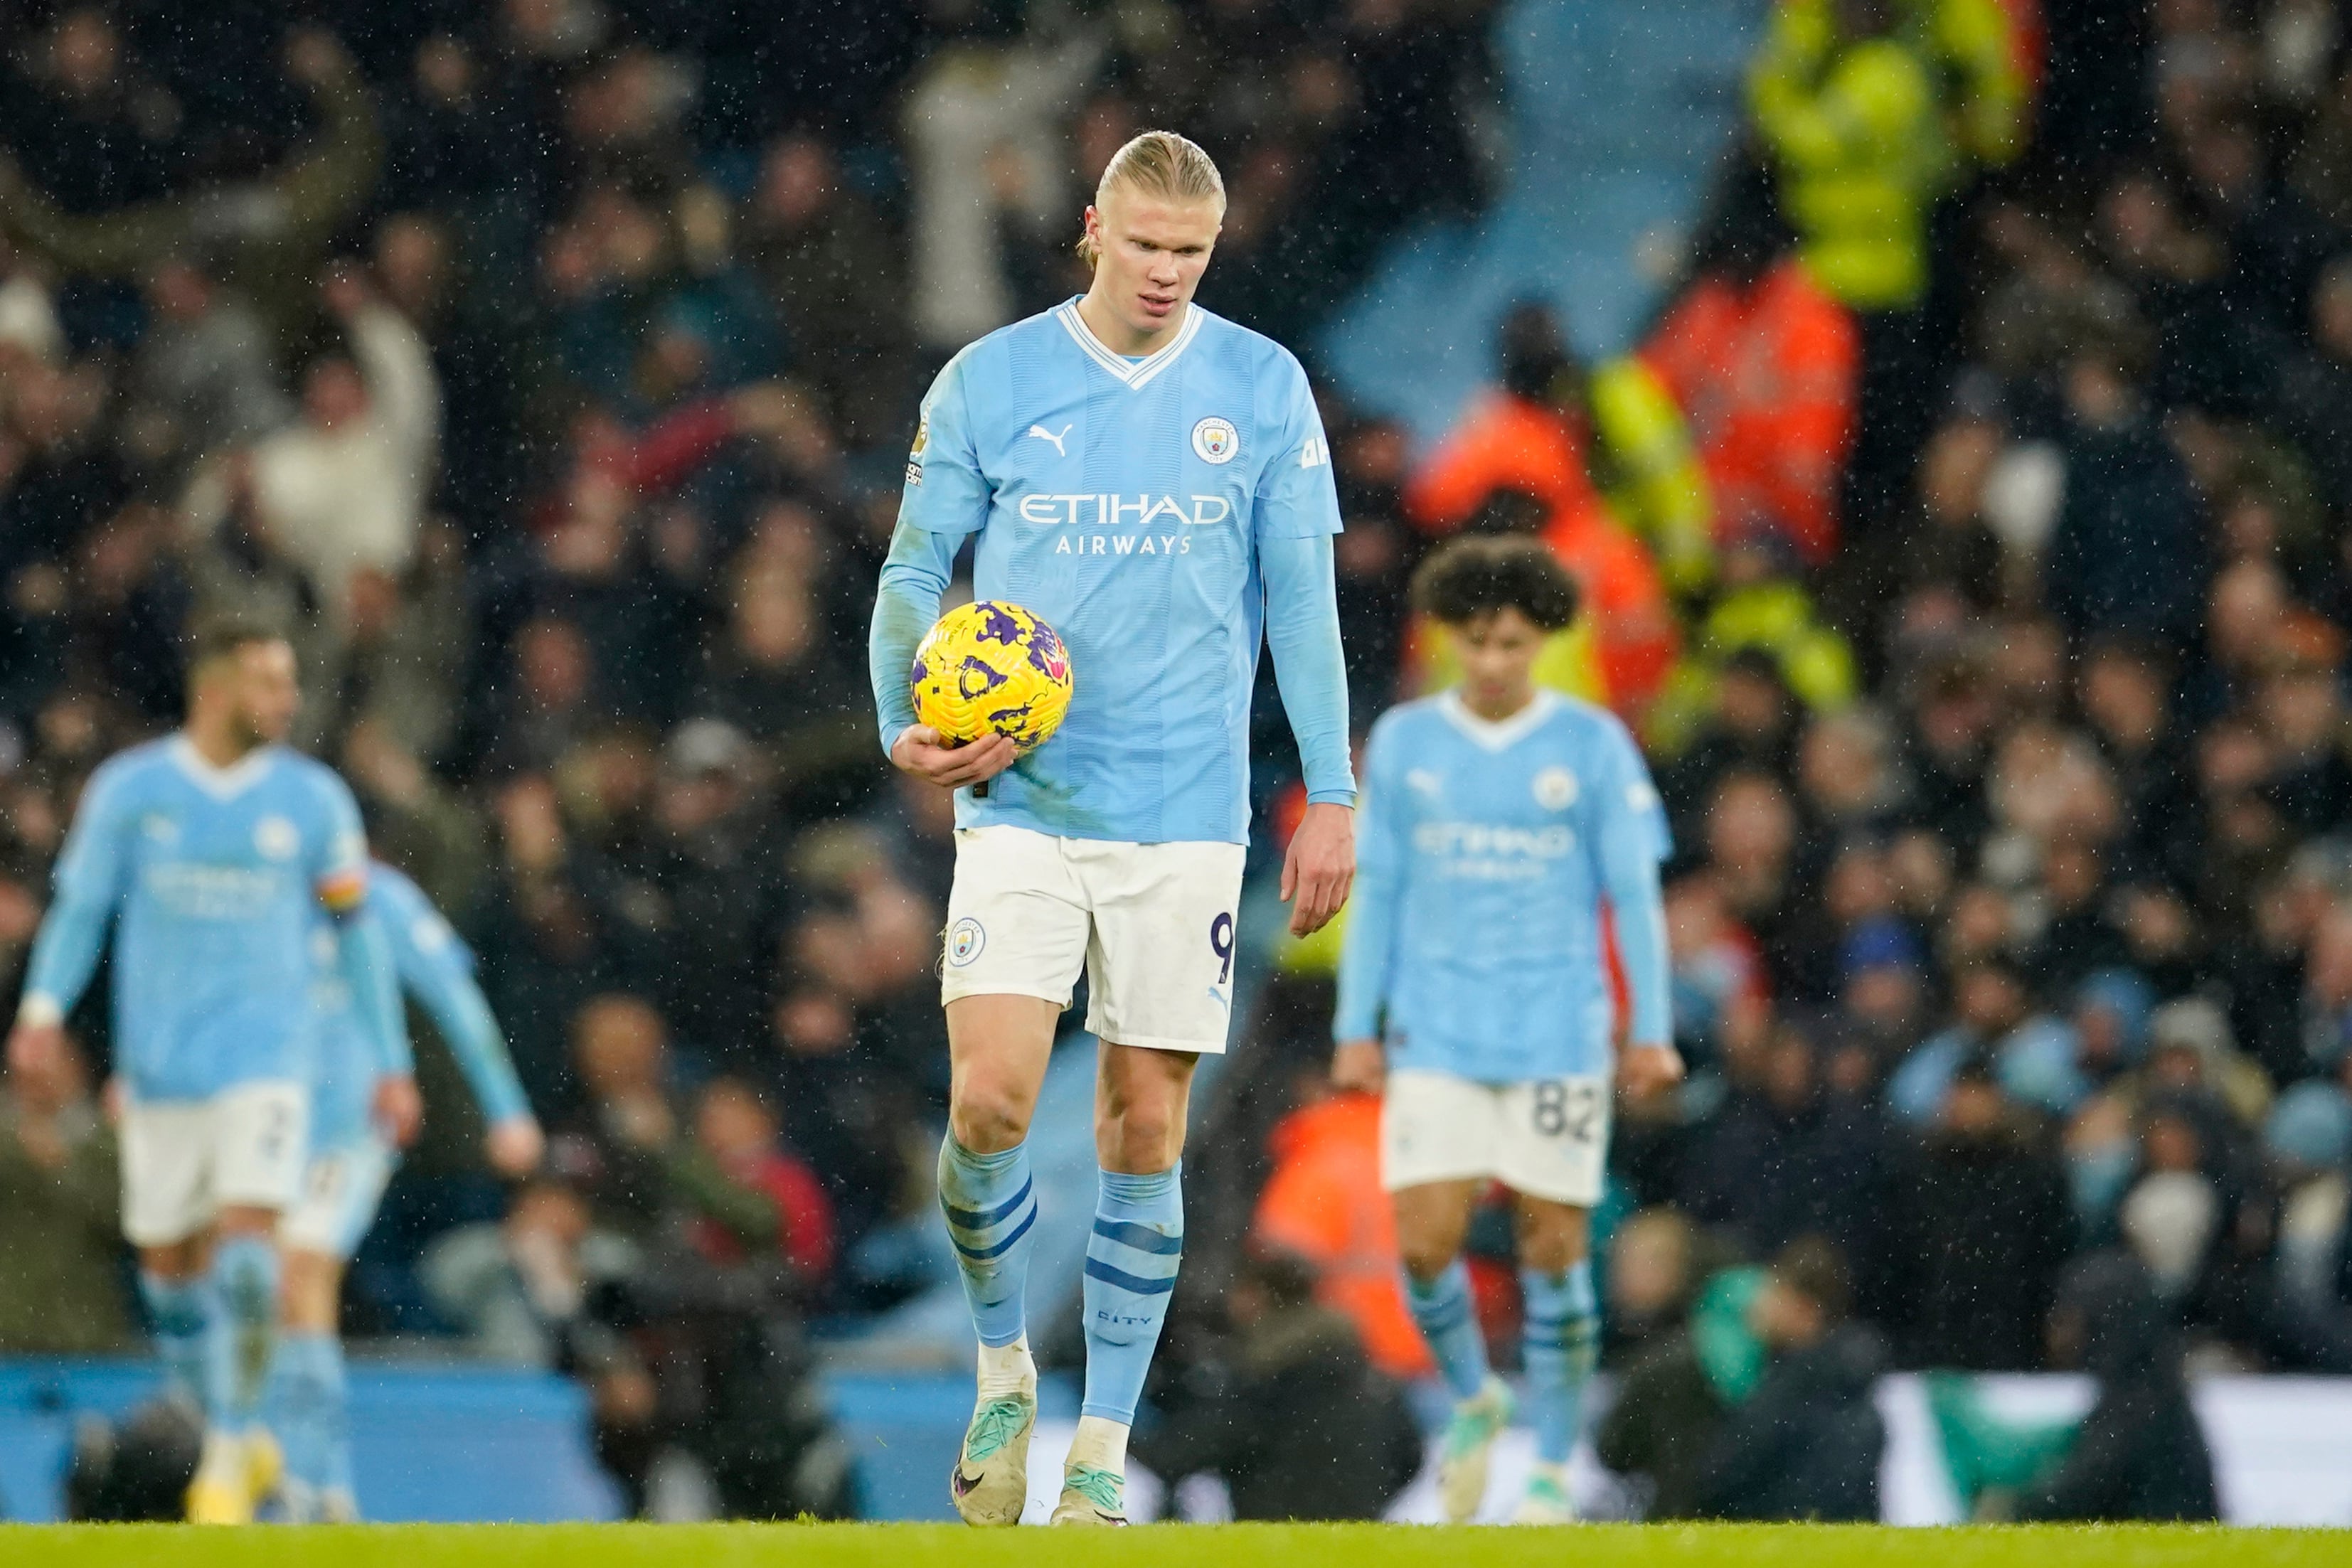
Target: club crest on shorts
1215, 440
965, 940
1555, 789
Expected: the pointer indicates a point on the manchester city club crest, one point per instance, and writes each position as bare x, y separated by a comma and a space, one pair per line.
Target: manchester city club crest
277, 838
1215, 440
965, 940
1555, 789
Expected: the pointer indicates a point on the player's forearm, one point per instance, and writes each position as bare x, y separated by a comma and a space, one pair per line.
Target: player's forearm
1638, 906
1311, 668
64, 955
368, 968
471, 1032
906, 602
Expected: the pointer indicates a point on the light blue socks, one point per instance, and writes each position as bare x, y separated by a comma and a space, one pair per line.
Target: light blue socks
991, 1206
1132, 1262
1448, 1320
1562, 1342
182, 1312
244, 1331
313, 1419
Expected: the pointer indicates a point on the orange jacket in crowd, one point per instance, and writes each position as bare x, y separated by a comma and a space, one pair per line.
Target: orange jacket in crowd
1324, 1202
1506, 442
1766, 378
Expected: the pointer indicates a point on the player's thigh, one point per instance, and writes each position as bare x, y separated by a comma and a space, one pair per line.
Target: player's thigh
998, 1050
166, 1153
1017, 918
1552, 1142
1159, 971
1433, 1222
1142, 1095
342, 1187
310, 1291
260, 1144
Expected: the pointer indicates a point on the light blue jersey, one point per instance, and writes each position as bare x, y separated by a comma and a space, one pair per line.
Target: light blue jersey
1161, 514
214, 878
434, 966
1486, 855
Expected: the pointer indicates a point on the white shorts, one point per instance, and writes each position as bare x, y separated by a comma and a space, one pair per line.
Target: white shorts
1548, 1138
184, 1161
341, 1189
1150, 925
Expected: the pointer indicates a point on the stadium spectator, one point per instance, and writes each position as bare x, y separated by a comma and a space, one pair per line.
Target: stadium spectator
60, 1284
1806, 1443
2140, 1453
1297, 1423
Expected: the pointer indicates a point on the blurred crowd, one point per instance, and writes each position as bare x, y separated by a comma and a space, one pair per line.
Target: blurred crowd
1968, 539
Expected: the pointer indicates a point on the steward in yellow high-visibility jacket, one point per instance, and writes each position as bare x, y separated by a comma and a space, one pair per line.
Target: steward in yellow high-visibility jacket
1851, 113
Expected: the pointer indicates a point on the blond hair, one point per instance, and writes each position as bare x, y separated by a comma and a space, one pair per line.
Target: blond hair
1158, 163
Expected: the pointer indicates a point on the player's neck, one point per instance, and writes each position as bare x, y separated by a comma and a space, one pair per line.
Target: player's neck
1121, 338
217, 744
1499, 708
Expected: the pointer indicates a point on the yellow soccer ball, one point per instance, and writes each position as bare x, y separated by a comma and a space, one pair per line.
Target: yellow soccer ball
992, 668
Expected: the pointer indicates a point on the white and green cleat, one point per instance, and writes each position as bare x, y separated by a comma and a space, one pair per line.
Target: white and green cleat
1467, 1447
989, 1483
1091, 1495
1546, 1500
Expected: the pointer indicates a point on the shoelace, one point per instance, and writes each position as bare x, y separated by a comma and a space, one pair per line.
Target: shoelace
993, 1426
1104, 1488
1471, 1427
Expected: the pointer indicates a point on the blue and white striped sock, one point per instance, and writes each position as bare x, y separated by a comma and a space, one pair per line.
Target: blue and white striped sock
1448, 1320
181, 1311
1132, 1262
991, 1206
1563, 1340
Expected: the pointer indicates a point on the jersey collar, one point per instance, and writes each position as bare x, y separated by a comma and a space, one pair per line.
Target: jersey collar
221, 783
1493, 734
1136, 373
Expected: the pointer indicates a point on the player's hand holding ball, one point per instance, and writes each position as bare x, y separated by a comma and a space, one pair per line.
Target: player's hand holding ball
990, 682
515, 1146
1643, 1071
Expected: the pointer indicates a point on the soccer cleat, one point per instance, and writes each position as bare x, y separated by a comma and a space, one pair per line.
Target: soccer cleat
1469, 1444
223, 1491
1546, 1500
265, 1468
337, 1506
1091, 1495
990, 1479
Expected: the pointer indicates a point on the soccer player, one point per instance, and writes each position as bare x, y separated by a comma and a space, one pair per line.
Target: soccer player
1154, 482
350, 1160
210, 850
1505, 829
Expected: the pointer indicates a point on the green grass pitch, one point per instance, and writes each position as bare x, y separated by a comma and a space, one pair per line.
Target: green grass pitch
1166, 1546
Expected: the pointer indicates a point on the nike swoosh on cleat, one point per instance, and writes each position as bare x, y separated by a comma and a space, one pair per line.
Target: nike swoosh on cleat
963, 1488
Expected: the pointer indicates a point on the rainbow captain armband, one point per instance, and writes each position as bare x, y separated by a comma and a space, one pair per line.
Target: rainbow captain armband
342, 891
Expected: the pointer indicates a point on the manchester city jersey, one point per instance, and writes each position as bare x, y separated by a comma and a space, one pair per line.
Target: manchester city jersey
1123, 501
1474, 936
213, 878
436, 968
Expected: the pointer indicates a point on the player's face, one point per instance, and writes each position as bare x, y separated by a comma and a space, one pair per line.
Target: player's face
1153, 253
1499, 653
263, 693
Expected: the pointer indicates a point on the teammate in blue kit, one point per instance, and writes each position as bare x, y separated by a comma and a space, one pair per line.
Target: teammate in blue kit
213, 853
351, 1161
1154, 482
1501, 824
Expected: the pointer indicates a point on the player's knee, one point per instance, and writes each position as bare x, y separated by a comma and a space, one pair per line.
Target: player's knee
1139, 1136
988, 1119
1426, 1257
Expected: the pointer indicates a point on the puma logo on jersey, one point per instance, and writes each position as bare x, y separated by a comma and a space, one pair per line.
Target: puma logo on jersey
1042, 434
